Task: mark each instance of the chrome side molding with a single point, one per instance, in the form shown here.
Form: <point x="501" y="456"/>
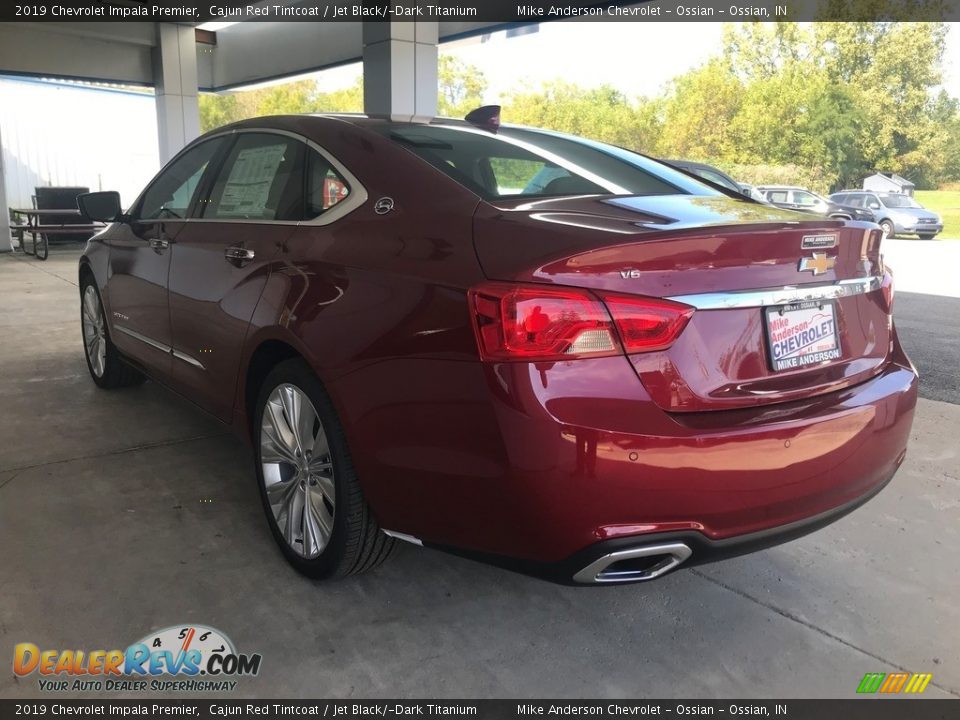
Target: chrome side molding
<point x="403" y="536"/>
<point x="187" y="359"/>
<point x="143" y="338"/>
<point x="179" y="355"/>
<point x="779" y="296"/>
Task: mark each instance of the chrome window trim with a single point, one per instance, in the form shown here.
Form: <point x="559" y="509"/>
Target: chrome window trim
<point x="779" y="296"/>
<point x="357" y="197"/>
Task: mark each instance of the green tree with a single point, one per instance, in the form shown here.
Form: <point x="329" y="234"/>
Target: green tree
<point x="877" y="81"/>
<point x="461" y="87"/>
<point x="697" y="113"/>
<point x="602" y="113"/>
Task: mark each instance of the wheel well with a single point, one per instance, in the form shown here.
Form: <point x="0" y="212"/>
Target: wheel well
<point x="83" y="272"/>
<point x="841" y="216"/>
<point x="267" y="356"/>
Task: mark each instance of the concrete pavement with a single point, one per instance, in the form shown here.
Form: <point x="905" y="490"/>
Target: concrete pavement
<point x="127" y="511"/>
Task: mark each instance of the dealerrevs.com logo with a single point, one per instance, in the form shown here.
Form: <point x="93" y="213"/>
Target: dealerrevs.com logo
<point x="180" y="658"/>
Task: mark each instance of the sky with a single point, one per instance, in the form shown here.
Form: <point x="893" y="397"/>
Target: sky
<point x="639" y="59"/>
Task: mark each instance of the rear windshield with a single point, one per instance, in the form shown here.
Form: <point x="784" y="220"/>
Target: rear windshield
<point x="517" y="162"/>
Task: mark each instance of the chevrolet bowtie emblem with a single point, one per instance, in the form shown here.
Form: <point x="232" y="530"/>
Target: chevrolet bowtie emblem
<point x="818" y="264"/>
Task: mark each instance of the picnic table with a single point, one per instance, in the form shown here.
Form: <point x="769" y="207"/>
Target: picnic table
<point x="40" y="231"/>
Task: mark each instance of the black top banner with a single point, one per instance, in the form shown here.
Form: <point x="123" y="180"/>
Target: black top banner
<point x="205" y="709"/>
<point x="199" y="11"/>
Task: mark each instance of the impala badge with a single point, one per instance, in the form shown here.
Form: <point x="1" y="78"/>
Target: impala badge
<point x="818" y="242"/>
<point x="818" y="263"/>
<point x="383" y="205"/>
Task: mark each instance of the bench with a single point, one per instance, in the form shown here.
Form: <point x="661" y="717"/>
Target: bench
<point x="41" y="231"/>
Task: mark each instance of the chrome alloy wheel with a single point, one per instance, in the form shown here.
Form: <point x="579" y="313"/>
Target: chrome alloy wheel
<point x="94" y="332"/>
<point x="297" y="470"/>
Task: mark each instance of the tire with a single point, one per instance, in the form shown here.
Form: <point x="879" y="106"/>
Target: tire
<point x="106" y="367"/>
<point x="310" y="468"/>
<point x="888" y="229"/>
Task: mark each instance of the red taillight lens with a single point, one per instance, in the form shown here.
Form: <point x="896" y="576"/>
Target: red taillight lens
<point x="533" y="323"/>
<point x="647" y="324"/>
<point x="886" y="286"/>
<point x="518" y="322"/>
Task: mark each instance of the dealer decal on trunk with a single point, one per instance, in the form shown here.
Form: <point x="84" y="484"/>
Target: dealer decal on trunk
<point x="802" y="334"/>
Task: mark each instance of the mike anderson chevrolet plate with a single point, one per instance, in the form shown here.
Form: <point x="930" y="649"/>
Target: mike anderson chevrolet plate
<point x="802" y="334"/>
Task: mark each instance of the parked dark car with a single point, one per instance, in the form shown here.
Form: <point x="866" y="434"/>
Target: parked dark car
<point x="896" y="213"/>
<point x="796" y="198"/>
<point x="752" y="192"/>
<point x="709" y="173"/>
<point x="595" y="381"/>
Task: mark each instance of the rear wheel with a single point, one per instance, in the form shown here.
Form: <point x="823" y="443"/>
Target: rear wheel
<point x="887" y="227"/>
<point x="106" y="367"/>
<point x="309" y="489"/>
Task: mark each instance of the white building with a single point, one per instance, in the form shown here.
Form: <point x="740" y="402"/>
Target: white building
<point x="73" y="134"/>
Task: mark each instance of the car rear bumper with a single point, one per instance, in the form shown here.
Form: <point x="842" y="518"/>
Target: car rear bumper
<point x="915" y="227"/>
<point x="598" y="564"/>
<point x="594" y="465"/>
<point x="537" y="462"/>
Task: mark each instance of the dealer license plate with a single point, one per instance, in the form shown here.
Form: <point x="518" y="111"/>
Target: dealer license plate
<point x="802" y="334"/>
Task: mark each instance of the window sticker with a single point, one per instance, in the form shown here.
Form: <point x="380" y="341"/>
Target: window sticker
<point x="247" y="189"/>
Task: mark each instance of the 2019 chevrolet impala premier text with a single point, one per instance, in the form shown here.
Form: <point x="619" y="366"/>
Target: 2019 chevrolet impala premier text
<point x="516" y="345"/>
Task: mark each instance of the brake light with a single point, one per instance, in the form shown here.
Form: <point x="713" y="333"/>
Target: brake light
<point x="537" y="323"/>
<point x="886" y="285"/>
<point x="647" y="324"/>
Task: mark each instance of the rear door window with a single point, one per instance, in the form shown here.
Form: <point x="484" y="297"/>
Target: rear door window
<point x="261" y="179"/>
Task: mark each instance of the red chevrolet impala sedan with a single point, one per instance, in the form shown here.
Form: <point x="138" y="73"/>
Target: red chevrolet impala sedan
<point x="515" y="345"/>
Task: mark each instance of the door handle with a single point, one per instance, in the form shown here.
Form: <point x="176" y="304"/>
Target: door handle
<point x="238" y="253"/>
<point x="159" y="245"/>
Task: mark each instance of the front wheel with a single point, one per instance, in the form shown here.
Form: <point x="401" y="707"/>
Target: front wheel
<point x="106" y="367"/>
<point x="888" y="228"/>
<point x="313" y="502"/>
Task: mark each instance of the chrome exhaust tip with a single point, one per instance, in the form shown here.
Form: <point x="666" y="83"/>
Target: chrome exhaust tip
<point x="634" y="564"/>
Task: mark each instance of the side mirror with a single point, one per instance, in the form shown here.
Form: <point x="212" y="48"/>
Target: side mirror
<point x="874" y="206"/>
<point x="102" y="206"/>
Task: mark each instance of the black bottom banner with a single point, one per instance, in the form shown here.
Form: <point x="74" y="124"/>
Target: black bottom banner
<point x="860" y="709"/>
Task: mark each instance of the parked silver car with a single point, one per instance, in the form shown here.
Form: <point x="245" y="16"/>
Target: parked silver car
<point x="896" y="213"/>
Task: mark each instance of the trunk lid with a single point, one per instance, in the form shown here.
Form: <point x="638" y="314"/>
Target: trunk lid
<point x="730" y="259"/>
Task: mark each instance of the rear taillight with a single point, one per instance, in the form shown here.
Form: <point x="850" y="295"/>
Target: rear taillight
<point x="647" y="324"/>
<point x="538" y="323"/>
<point x="886" y="285"/>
